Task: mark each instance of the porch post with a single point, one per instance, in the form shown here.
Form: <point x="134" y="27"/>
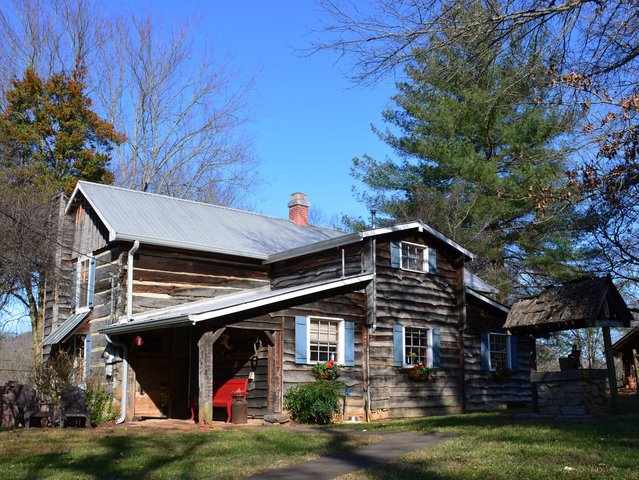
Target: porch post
<point x="533" y="367"/>
<point x="205" y="377"/>
<point x="610" y="363"/>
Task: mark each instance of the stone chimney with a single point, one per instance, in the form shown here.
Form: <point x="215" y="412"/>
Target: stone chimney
<point x="298" y="209"/>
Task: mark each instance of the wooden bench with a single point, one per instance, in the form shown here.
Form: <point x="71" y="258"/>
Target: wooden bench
<point x="223" y="397"/>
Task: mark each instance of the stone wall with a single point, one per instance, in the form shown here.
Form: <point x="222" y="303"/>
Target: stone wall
<point x="573" y="392"/>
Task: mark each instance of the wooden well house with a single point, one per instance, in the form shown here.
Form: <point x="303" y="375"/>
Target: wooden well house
<point x="580" y="304"/>
<point x="164" y="300"/>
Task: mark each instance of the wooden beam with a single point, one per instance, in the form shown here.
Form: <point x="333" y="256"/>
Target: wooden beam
<point x="609" y="322"/>
<point x="612" y="376"/>
<point x="270" y="337"/>
<point x="217" y="334"/>
<point x="205" y="375"/>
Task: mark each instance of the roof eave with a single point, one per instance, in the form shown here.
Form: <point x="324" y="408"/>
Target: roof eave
<point x="489" y="301"/>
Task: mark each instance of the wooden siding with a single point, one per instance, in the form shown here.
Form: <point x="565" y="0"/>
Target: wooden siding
<point x="90" y="233"/>
<point x="482" y="392"/>
<point x="416" y="299"/>
<point x="163" y="278"/>
<point x="326" y="265"/>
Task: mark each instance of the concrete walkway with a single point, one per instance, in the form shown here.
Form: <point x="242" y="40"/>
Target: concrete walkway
<point x="393" y="445"/>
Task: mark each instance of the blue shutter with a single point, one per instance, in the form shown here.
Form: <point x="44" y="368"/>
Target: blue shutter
<point x="395" y="254"/>
<point x="91" y="284"/>
<point x="74" y="287"/>
<point x="88" y="342"/>
<point x="432" y="260"/>
<point x="349" y="344"/>
<point x="398" y="345"/>
<point x="437" y="357"/>
<point x="301" y="336"/>
<point x="485" y="351"/>
<point x="514" y="364"/>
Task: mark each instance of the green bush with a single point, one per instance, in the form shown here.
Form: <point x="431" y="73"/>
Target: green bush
<point x="100" y="401"/>
<point x="314" y="402"/>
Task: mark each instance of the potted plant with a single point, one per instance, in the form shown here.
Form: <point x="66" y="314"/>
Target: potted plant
<point x="421" y="372"/>
<point x="329" y="370"/>
<point x="502" y="374"/>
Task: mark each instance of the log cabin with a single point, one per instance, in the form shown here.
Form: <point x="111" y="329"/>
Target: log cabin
<point x="164" y="300"/>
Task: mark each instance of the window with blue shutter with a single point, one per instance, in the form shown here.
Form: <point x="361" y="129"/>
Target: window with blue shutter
<point x="498" y="350"/>
<point x="412" y="346"/>
<point x="413" y="257"/>
<point x="91" y="283"/>
<point x="319" y="339"/>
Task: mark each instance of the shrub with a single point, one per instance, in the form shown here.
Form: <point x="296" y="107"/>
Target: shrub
<point x="100" y="401"/>
<point x="314" y="402"/>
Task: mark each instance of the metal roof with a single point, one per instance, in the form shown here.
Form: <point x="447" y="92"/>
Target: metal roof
<point x="477" y="283"/>
<point x="160" y="220"/>
<point x="61" y="333"/>
<point x="242" y="302"/>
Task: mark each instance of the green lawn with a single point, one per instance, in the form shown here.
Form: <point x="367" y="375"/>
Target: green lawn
<point x="496" y="446"/>
<point x="118" y="454"/>
<point x="486" y="446"/>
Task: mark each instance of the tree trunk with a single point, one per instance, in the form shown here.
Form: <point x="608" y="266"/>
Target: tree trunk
<point x="37" y="323"/>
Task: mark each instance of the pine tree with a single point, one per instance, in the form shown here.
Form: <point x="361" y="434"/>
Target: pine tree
<point x="481" y="159"/>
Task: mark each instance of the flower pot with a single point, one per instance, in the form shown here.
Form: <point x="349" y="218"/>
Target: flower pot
<point x="416" y="376"/>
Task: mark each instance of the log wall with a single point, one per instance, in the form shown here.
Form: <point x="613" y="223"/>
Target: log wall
<point x="163" y="278"/>
<point x="482" y="392"/>
<point x="321" y="266"/>
<point x="419" y="300"/>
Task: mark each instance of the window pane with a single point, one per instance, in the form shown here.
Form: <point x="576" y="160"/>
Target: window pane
<point x="323" y="340"/>
<point x="498" y="351"/>
<point x="415" y="345"/>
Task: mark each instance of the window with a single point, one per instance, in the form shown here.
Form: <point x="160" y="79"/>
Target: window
<point x="413" y="345"/>
<point x="83" y="283"/>
<point x="318" y="339"/>
<point x="498" y="351"/>
<point x="324" y="339"/>
<point x="413" y="257"/>
<point x="417" y="346"/>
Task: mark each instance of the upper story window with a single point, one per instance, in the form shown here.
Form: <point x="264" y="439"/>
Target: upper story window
<point x="413" y="257"/>
<point x="83" y="284"/>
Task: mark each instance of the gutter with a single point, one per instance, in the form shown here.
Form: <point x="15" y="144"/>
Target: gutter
<point x="125" y="379"/>
<point x="129" y="280"/>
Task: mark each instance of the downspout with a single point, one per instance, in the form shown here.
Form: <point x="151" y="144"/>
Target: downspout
<point x="125" y="379"/>
<point x="129" y="280"/>
<point x="462" y="331"/>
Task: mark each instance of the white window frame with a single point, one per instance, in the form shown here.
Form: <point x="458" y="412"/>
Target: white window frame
<point x="340" y="338"/>
<point x="490" y="358"/>
<point x="429" y="346"/>
<point x="82" y="304"/>
<point x="424" y="249"/>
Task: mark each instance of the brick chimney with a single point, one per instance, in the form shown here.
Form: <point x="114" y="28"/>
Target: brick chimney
<point x="298" y="209"/>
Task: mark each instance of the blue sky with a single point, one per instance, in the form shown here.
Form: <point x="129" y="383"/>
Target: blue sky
<point x="309" y="120"/>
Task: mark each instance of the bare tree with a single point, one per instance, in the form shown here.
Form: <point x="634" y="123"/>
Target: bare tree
<point x="182" y="109"/>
